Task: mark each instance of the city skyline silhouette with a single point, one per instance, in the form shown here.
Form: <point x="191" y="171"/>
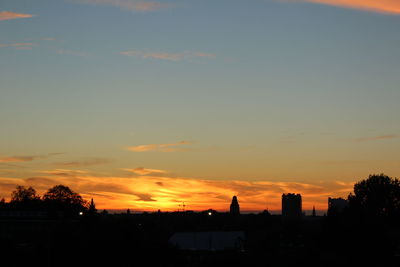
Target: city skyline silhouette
<point x="199" y="133"/>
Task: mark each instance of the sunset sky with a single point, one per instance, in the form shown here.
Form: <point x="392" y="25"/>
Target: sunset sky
<point x="148" y="104"/>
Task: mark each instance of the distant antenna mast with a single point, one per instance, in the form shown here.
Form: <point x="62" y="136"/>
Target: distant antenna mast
<point x="182" y="206"/>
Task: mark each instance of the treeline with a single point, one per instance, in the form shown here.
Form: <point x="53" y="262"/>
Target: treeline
<point x="59" y="200"/>
<point x="374" y="198"/>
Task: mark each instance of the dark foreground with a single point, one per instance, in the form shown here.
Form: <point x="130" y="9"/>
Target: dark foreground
<point x="142" y="240"/>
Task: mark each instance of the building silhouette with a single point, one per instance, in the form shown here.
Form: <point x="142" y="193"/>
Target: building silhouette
<point x="291" y="206"/>
<point x="336" y="205"/>
<point x="235" y="209"/>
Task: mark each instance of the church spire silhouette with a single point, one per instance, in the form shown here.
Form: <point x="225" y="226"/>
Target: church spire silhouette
<point x="235" y="209"/>
<point x="92" y="207"/>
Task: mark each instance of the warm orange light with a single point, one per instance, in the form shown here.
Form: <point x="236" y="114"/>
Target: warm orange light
<point x="167" y="194"/>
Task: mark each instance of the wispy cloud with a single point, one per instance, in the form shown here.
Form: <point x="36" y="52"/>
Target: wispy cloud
<point x="20" y="46"/>
<point x="166" y="56"/>
<point x="84" y="163"/>
<point x="7" y="171"/>
<point x="145" y="171"/>
<point x="26" y="158"/>
<point x="18" y="159"/>
<point x="71" y="52"/>
<point x="376" y="138"/>
<point x="7" y="15"/>
<point x="131" y="5"/>
<point x="380" y="6"/>
<point x="48" y="39"/>
<point x="159" y="147"/>
<point x="65" y="172"/>
<point x="344" y="162"/>
<point x="28" y="44"/>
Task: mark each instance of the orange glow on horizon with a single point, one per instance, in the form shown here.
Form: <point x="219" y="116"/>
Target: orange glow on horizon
<point x="145" y="193"/>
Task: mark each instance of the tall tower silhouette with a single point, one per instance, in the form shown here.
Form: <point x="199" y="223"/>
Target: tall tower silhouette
<point x="291" y="206"/>
<point x="235" y="209"/>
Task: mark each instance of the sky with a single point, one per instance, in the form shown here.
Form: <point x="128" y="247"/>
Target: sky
<point x="149" y="104"/>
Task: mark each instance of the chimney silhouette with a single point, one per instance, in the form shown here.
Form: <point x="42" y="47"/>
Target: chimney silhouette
<point x="235" y="209"/>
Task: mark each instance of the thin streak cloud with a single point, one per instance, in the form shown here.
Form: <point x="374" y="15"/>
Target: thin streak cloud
<point x="145" y="171"/>
<point x="166" y="56"/>
<point x="71" y="52"/>
<point x="64" y="172"/>
<point x="7" y="15"/>
<point x="130" y="5"/>
<point x="160" y="147"/>
<point x="84" y="163"/>
<point x="377" y="138"/>
<point x="48" y="39"/>
<point x="380" y="6"/>
<point x="17" y="159"/>
<point x="26" y="158"/>
<point x="20" y="46"/>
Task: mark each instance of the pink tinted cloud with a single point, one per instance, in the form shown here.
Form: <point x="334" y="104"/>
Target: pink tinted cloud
<point x="131" y="5"/>
<point x="202" y="54"/>
<point x="19" y="46"/>
<point x="7" y="15"/>
<point x="380" y="6"/>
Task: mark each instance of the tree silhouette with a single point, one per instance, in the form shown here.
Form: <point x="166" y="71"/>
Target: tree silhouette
<point x="23" y="194"/>
<point x="376" y="196"/>
<point x="2" y="203"/>
<point x="64" y="194"/>
<point x="104" y="212"/>
<point x="62" y="199"/>
<point x="25" y="198"/>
